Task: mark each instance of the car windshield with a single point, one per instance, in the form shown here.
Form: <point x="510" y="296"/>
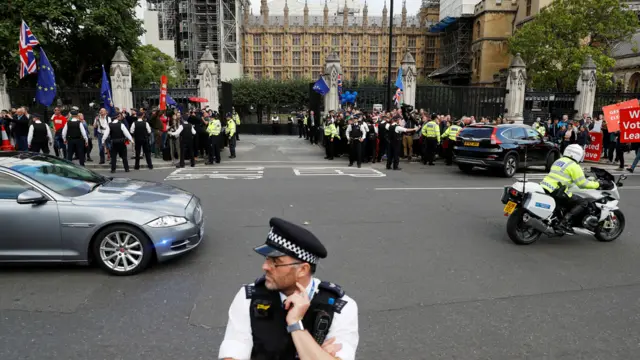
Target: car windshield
<point x="59" y="175"/>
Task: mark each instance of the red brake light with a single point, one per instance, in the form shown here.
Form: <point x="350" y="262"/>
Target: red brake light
<point x="494" y="138"/>
<point x="514" y="192"/>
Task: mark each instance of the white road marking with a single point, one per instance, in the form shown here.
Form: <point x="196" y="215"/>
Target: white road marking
<point x="218" y="172"/>
<point x="338" y="171"/>
<point x="475" y="188"/>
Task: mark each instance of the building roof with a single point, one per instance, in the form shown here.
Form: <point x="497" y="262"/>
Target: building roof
<point x="316" y="7"/>
<point x="626" y="48"/>
<point x="334" y="20"/>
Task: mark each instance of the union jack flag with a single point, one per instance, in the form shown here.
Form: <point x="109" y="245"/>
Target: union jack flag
<point x="27" y="58"/>
<point x="397" y="96"/>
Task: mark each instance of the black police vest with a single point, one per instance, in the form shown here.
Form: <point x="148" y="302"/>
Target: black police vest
<point x="39" y="133"/>
<point x="356" y="132"/>
<point x="371" y="135"/>
<point x="140" y="131"/>
<point x="271" y="341"/>
<point x="393" y="135"/>
<point x="115" y="132"/>
<point x="73" y="130"/>
<point x="185" y="134"/>
<point x="382" y="131"/>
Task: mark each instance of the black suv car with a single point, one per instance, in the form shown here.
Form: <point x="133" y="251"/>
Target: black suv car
<point x="503" y="148"/>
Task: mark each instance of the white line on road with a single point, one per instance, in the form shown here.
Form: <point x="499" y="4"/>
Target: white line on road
<point x="338" y="171"/>
<point x="475" y="188"/>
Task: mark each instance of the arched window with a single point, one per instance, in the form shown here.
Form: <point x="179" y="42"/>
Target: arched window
<point x="477" y="29"/>
<point x="634" y="83"/>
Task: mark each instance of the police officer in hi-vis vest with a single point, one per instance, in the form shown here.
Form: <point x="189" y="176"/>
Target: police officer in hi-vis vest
<point x="288" y="313"/>
<point x="214" y="127"/>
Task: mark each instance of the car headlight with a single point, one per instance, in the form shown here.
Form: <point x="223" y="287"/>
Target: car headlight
<point x="167" y="221"/>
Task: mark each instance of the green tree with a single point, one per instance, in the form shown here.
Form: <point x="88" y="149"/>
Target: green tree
<point x="271" y="93"/>
<point x="555" y="44"/>
<point x="148" y="64"/>
<point x="79" y="37"/>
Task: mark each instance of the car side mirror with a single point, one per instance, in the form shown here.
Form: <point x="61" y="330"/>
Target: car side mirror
<point x="31" y="197"/>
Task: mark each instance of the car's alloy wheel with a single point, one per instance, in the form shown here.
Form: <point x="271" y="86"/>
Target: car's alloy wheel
<point x="510" y="166"/>
<point x="122" y="250"/>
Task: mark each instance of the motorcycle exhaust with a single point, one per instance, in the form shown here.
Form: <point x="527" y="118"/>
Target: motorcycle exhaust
<point x="537" y="224"/>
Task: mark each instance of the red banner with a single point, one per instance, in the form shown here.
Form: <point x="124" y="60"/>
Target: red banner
<point x="593" y="151"/>
<point x="612" y="113"/>
<point x="163" y="93"/>
<point x="630" y="125"/>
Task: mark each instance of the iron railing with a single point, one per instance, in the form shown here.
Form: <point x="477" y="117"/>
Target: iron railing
<point x="603" y="99"/>
<point x="548" y="105"/>
<point x="459" y="101"/>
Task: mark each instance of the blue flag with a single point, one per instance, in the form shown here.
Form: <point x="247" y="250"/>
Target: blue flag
<point x="46" y="87"/>
<point x="105" y="93"/>
<point x="321" y="87"/>
<point x="399" y="80"/>
<point x="170" y="101"/>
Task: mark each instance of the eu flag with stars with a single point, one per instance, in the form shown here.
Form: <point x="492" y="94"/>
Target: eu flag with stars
<point x="46" y="86"/>
<point x="105" y="93"/>
<point x="321" y="87"/>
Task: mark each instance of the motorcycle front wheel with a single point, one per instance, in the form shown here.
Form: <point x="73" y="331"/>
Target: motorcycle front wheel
<point x="611" y="228"/>
<point x="518" y="231"/>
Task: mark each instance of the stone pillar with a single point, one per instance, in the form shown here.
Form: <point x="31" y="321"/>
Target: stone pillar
<point x="5" y="103"/>
<point x="331" y="71"/>
<point x="121" y="81"/>
<point x="516" y="87"/>
<point x="586" y="88"/>
<point x="409" y="76"/>
<point x="208" y="80"/>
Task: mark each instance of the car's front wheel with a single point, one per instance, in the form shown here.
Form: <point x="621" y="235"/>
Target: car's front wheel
<point x="122" y="250"/>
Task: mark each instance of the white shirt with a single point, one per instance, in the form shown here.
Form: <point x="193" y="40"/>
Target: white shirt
<point x="238" y="340"/>
<point x="122" y="127"/>
<point x="363" y="129"/>
<point x="30" y="136"/>
<point x="399" y="129"/>
<point x="179" y="130"/>
<point x="82" y="131"/>
<point x="101" y="122"/>
<point x="133" y="127"/>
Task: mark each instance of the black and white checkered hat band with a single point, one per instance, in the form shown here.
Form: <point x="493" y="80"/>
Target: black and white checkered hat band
<point x="291" y="248"/>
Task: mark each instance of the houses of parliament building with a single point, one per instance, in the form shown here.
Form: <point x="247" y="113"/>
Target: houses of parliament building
<point x="280" y="46"/>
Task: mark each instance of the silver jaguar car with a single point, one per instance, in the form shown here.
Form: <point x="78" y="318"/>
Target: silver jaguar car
<point x="52" y="210"/>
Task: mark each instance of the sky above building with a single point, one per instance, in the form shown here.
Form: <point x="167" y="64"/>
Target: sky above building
<point x="375" y="6"/>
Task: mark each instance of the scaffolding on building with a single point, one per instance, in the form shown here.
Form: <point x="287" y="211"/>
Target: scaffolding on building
<point x="455" y="50"/>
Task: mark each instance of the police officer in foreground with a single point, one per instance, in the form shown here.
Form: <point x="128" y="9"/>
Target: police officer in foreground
<point x="117" y="132"/>
<point x="39" y="137"/>
<point x="288" y="313"/>
<point x="142" y="131"/>
<point x="186" y="132"/>
<point x="356" y="133"/>
<point x="75" y="138"/>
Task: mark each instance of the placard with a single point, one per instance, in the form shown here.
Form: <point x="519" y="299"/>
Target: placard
<point x="163" y="92"/>
<point x="612" y="113"/>
<point x="593" y="151"/>
<point x="630" y="125"/>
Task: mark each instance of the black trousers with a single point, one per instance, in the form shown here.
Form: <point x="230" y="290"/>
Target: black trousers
<point x="355" y="155"/>
<point x="384" y="146"/>
<point x="118" y="148"/>
<point x="328" y="146"/>
<point x="430" y="150"/>
<point x="186" y="150"/>
<point x="393" y="154"/>
<point x="203" y="143"/>
<point x="449" y="152"/>
<point x="313" y="135"/>
<point x="76" y="147"/>
<point x="144" y="146"/>
<point x="214" y="149"/>
<point x="370" y="149"/>
<point x="232" y="145"/>
<point x="40" y="146"/>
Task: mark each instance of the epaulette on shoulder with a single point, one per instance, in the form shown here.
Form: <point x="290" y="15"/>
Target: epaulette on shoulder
<point x="250" y="289"/>
<point x="331" y="287"/>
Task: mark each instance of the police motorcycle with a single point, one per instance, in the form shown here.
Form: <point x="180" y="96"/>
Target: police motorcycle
<point x="532" y="212"/>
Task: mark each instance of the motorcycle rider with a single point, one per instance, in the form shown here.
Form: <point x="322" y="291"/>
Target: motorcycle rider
<point x="564" y="172"/>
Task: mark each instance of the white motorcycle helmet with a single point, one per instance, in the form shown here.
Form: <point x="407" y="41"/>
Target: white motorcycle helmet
<point x="575" y="152"/>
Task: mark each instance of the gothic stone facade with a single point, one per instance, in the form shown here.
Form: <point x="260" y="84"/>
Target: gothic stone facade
<point x="287" y="47"/>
